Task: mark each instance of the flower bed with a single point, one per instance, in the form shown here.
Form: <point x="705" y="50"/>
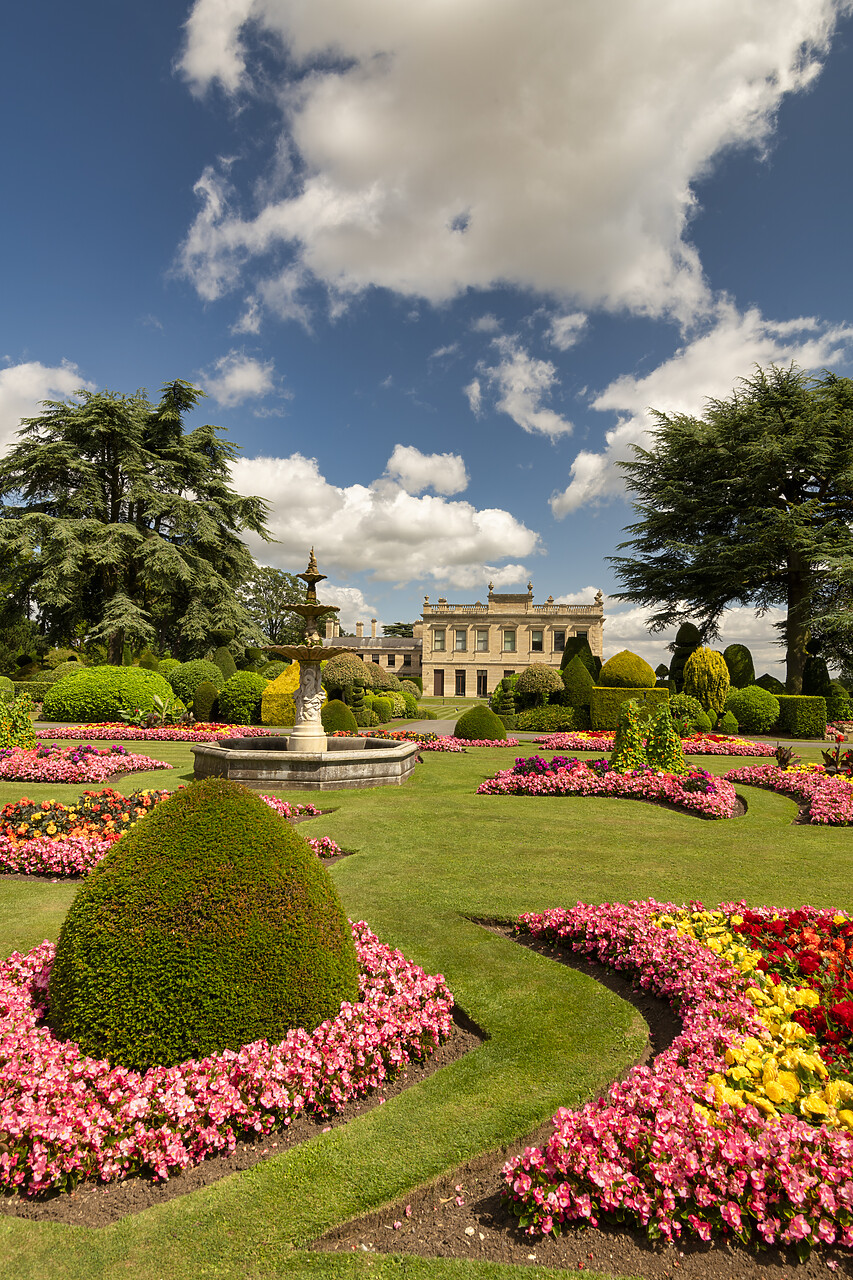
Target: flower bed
<point x="72" y="764"/>
<point x="66" y="1117"/>
<point x="699" y="744"/>
<point x="697" y="792"/>
<point x="53" y="839"/>
<point x="166" y="733"/>
<point x="428" y="741"/>
<point x="739" y="1127"/>
<point x="828" y="800"/>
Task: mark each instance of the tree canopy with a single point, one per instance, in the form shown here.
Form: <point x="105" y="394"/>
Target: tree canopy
<point x="123" y="524"/>
<point x="751" y="504"/>
<point x="267" y="596"/>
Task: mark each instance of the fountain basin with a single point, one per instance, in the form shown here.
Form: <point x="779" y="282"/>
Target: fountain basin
<point x="346" y="764"/>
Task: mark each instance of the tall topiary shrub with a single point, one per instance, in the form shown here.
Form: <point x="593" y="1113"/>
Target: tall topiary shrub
<point x="578" y="647"/>
<point x="208" y="926"/>
<point x="224" y="659"/>
<point x="706" y="678"/>
<point x="816" y="681"/>
<point x="578" y="684"/>
<point x="738" y="659"/>
<point x="687" y="638"/>
<point x="626" y="670"/>
<point x="629" y="748"/>
<point x="663" y="745"/>
<point x="205" y="707"/>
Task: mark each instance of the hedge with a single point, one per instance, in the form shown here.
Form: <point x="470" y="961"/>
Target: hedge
<point x="604" y="704"/>
<point x="801" y="717"/>
<point x="35" y="688"/>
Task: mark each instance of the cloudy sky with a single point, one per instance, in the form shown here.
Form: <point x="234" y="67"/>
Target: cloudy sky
<point x="431" y="263"/>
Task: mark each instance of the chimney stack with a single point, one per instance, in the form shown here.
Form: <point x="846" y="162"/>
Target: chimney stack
<point x="373" y="627"/>
<point x="330" y="628"/>
<point x="359" y="630"/>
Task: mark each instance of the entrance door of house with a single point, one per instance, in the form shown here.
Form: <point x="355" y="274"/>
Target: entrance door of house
<point x="438" y="684"/>
<point x="482" y="684"/>
<point x="460" y="684"/>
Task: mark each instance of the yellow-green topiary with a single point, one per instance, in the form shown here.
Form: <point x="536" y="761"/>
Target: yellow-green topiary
<point x="626" y="670"/>
<point x="209" y="925"/>
<point x="706" y="678"/>
<point x="277" y="704"/>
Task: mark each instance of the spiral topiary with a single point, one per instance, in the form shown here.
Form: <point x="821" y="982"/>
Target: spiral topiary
<point x="626" y="670"/>
<point x="479" y="722"/>
<point x="706" y="678"/>
<point x="209" y="925"/>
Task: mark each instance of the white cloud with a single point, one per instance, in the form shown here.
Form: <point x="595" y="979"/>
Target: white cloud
<point x="238" y="377"/>
<point x="486" y="324"/>
<point x="378" y="528"/>
<point x="441" y="352"/>
<point x="23" y="387"/>
<point x="627" y="628"/>
<point x="564" y="331"/>
<point x="445" y="147"/>
<point x="352" y="604"/>
<point x="415" y="471"/>
<point x="522" y="383"/>
<point x="585" y="596"/>
<point x="474" y="392"/>
<point x="707" y="367"/>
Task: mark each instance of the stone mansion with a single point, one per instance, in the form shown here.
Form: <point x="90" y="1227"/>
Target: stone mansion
<point x="463" y="650"/>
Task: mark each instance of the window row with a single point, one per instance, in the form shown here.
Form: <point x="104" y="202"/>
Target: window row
<point x="459" y="639"/>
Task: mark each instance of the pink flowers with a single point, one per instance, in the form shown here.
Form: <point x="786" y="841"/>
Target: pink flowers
<point x="74" y="764"/>
<point x="711" y="797"/>
<point x="65" y="1117"/>
<point x="658" y="1150"/>
<point x="700" y="744"/>
<point x="170" y="733"/>
<point x="829" y="800"/>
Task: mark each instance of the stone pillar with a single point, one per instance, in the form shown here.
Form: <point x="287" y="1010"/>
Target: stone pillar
<point x="308" y="732"/>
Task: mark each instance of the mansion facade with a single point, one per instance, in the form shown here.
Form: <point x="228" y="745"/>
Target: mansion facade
<point x="464" y="650"/>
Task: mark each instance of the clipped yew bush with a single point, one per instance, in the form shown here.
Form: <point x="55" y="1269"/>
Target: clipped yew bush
<point x="336" y="715"/>
<point x="578" y="685"/>
<point x="770" y="683"/>
<point x="626" y="670"/>
<point x="342" y="672"/>
<point x="738" y="659"/>
<point x="687" y="638"/>
<point x="209" y="925"/>
<point x="479" y="722"/>
<point x="240" y="698"/>
<point x="536" y="682"/>
<point x="755" y="709"/>
<point x="224" y="659"/>
<point x="205" y="706"/>
<point x="94" y="694"/>
<point x="186" y="678"/>
<point x="706" y="678"/>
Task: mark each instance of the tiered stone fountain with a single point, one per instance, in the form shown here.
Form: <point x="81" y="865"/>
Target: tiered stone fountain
<point x="307" y="760"/>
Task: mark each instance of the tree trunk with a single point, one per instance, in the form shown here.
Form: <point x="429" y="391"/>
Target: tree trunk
<point x="797" y="626"/>
<point x="115" y="648"/>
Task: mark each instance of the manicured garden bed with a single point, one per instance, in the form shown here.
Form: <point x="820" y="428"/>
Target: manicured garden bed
<point x="83" y="763"/>
<point x="165" y="733"/>
<point x="700" y="744"/>
<point x="826" y="799"/>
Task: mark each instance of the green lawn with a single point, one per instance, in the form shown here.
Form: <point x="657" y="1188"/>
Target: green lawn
<point x="429" y="855"/>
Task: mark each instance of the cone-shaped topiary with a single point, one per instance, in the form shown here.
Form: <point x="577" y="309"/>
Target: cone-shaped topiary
<point x="209" y="925"/>
<point x="626" y="670"/>
<point x="663" y="745"/>
<point x="336" y="715"/>
<point x="629" y="748"/>
<point x="479" y="722"/>
<point x="578" y="684"/>
<point x="687" y="638"/>
<point x="816" y="677"/>
<point x="706" y="678"/>
<point x="770" y="683"/>
<point x="204" y="701"/>
<point x="578" y="647"/>
<point x="738" y="659"/>
<point x="729" y="724"/>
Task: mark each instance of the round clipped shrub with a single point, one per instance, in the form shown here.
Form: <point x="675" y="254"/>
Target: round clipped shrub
<point x="189" y="675"/>
<point x="409" y="686"/>
<point x="755" y="709"/>
<point x="626" y="670"/>
<point x="240" y="698"/>
<point x="384" y="679"/>
<point x="410" y="703"/>
<point x="837" y="702"/>
<point x="683" y="707"/>
<point x="729" y="723"/>
<point x="7" y="691"/>
<point x="383" y="709"/>
<point x="536" y="682"/>
<point x="209" y="925"/>
<point x="149" y="661"/>
<point x="343" y="671"/>
<point x="205" y="706"/>
<point x="100" y="693"/>
<point x="336" y="715"/>
<point x="738" y="659"/>
<point x="702" y="723"/>
<point x="706" y="678"/>
<point x="56" y="657"/>
<point x="224" y="659"/>
<point x="479" y="722"/>
<point x="167" y="665"/>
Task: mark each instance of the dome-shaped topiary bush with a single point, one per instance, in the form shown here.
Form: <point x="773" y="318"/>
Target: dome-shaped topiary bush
<point x="383" y="708"/>
<point x="535" y="683"/>
<point x="344" y="670"/>
<point x="626" y="670"/>
<point x="384" y="679"/>
<point x="7" y="691"/>
<point x="240" y="698"/>
<point x="738" y="659"/>
<point x="409" y="686"/>
<point x="683" y="707"/>
<point x="94" y="694"/>
<point x="189" y="675"/>
<point x="167" y="666"/>
<point x="755" y="709"/>
<point x="479" y="722"/>
<point x="209" y="925"/>
<point x="336" y="715"/>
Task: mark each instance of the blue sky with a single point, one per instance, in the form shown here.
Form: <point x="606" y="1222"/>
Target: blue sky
<point x="433" y="263"/>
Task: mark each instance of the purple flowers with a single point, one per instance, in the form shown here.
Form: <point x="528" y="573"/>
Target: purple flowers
<point x="84" y="763"/>
<point x="65" y="1117"/>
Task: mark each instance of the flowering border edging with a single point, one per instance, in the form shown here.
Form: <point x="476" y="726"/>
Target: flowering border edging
<point x="653" y="1150"/>
<point x="828" y="800"/>
<point x="703" y="744"/>
<point x="168" y="733"/>
<point x="84" y="763"/>
<point x="66" y="1117"/>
